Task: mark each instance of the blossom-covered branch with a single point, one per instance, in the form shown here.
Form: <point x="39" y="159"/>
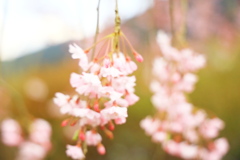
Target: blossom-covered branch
<point x="104" y="91"/>
<point x="183" y="130"/>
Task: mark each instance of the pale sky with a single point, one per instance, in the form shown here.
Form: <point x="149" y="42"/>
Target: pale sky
<point x="31" y="25"/>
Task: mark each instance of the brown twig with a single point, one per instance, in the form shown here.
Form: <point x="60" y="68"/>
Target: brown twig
<point x="171" y="14"/>
<point x="97" y="28"/>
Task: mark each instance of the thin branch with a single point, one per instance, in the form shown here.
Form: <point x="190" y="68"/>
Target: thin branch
<point x="117" y="29"/>
<point x="116" y="5"/>
<point x="171" y="13"/>
<point x="184" y="23"/>
<point x="97" y="28"/>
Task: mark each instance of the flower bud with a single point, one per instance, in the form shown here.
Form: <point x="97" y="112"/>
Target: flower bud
<point x="64" y="122"/>
<point x="101" y="149"/>
<point x="82" y="136"/>
<point x="138" y="57"/>
<point x="108" y="133"/>
<point x="111" y="126"/>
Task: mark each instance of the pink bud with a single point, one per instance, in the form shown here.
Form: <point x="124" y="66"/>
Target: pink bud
<point x="106" y="62"/>
<point x="139" y="58"/>
<point x="101" y="149"/>
<point x="73" y="123"/>
<point x="86" y="51"/>
<point x="82" y="136"/>
<point x="96" y="107"/>
<point x="111" y="126"/>
<point x="65" y="122"/>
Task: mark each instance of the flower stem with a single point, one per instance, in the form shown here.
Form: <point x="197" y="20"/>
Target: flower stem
<point x="117" y="29"/>
<point x="171" y="14"/>
<point x="128" y="42"/>
<point x="182" y="32"/>
<point x="97" y="28"/>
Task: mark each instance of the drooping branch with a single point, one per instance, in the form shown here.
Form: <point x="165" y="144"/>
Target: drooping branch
<point x="171" y="14"/>
<point x="97" y="28"/>
<point x="117" y="29"/>
<point x="179" y="33"/>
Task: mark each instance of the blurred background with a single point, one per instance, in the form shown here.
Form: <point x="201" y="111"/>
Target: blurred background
<point x="34" y="39"/>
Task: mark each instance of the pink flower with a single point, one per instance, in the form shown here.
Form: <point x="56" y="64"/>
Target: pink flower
<point x="150" y="125"/>
<point x="187" y="83"/>
<point x="94" y="67"/>
<point x="110" y="72"/>
<point x="78" y="53"/>
<point x="191" y="135"/>
<point x="131" y="98"/>
<point x="109" y="92"/>
<point x="183" y="130"/>
<point x="101" y="149"/>
<point x="11" y="133"/>
<point x="93" y="139"/>
<point x="119" y="61"/>
<point x="63" y="102"/>
<point x="75" y="152"/>
<point x="160" y="69"/>
<point x="221" y="146"/>
<point x="121" y="120"/>
<point x="87" y="116"/>
<point x="104" y="92"/>
<point x="191" y="61"/>
<point x="120" y="102"/>
<point x="159" y="137"/>
<point x="31" y="151"/>
<point x="161" y="103"/>
<point x="130" y="67"/>
<point x="171" y="147"/>
<point x="61" y="99"/>
<point x="114" y="112"/>
<point x="40" y="131"/>
<point x="86" y="83"/>
<point x="188" y="151"/>
<point x="211" y="127"/>
<point x="123" y="84"/>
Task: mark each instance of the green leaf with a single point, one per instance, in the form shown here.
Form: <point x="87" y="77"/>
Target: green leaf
<point x="75" y="135"/>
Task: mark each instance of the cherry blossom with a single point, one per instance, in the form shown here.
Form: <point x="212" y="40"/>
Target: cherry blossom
<point x="36" y="146"/>
<point x="104" y="91"/>
<point x="11" y="133"/>
<point x="93" y="139"/>
<point x="30" y="151"/>
<point x="75" y="152"/>
<point x="183" y="130"/>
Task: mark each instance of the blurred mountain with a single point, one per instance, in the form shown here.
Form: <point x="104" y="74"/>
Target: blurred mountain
<point x="51" y="55"/>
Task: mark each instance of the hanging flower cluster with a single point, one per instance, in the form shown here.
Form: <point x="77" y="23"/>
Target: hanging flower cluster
<point x="104" y="91"/>
<point x="36" y="146"/>
<point x="183" y="130"/>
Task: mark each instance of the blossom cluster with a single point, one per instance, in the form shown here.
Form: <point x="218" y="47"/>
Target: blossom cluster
<point x="104" y="91"/>
<point x="180" y="128"/>
<point x="36" y="146"/>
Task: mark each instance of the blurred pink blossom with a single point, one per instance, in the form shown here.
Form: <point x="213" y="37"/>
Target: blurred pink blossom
<point x="93" y="139"/>
<point x="183" y="130"/>
<point x="11" y="133"/>
<point x="75" y="152"/>
<point x="36" y="146"/>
